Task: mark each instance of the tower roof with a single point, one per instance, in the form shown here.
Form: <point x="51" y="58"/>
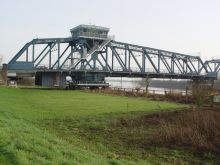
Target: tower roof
<point x="90" y="27"/>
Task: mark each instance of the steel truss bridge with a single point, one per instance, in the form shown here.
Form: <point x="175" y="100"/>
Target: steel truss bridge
<point x="87" y="59"/>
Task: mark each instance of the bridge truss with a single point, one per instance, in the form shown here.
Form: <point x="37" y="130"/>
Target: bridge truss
<point x="110" y="58"/>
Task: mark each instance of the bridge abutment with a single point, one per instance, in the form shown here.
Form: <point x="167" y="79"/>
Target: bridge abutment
<point x="50" y="79"/>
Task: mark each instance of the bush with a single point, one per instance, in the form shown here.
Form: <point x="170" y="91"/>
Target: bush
<point x="197" y="130"/>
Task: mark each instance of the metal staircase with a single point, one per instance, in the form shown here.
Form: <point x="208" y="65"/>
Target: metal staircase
<point x="95" y="48"/>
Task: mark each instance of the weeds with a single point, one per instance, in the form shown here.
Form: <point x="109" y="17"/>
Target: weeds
<point x="198" y="131"/>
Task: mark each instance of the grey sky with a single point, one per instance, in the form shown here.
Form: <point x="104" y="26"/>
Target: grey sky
<point x="185" y="26"/>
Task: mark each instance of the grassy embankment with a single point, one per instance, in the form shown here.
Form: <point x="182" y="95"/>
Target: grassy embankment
<point x="74" y="127"/>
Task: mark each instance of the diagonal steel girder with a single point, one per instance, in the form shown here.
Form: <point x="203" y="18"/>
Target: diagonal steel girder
<point x="132" y="54"/>
<point x="51" y="47"/>
<point x="178" y="65"/>
<point x="41" y="53"/>
<point x="189" y="59"/>
<point x="58" y="60"/>
<point x="115" y="54"/>
<point x="217" y="68"/>
<point x="166" y="64"/>
<point x="73" y="50"/>
<point x="151" y="61"/>
<point x="106" y="62"/>
<point x="23" y="49"/>
<point x="204" y="66"/>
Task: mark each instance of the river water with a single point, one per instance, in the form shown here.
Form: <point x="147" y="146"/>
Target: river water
<point x="158" y="86"/>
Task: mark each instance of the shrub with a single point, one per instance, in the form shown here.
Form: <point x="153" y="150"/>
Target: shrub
<point x="197" y="130"/>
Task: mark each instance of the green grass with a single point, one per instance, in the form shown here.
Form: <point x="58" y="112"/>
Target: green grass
<point x="50" y="127"/>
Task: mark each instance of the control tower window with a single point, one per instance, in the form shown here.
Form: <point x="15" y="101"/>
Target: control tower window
<point x="90" y="31"/>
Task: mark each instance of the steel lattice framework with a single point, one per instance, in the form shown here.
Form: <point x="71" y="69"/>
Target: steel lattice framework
<point x="111" y="58"/>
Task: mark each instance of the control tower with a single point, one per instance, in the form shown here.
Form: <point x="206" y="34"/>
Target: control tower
<point x="90" y="31"/>
<point x="92" y="39"/>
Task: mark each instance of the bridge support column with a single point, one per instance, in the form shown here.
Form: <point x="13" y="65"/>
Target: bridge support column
<point x="88" y="77"/>
<point x="50" y="79"/>
<point x="4" y="74"/>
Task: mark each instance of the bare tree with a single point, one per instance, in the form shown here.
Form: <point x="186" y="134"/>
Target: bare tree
<point x="145" y="82"/>
<point x="1" y="74"/>
<point x="1" y="59"/>
<point x="201" y="89"/>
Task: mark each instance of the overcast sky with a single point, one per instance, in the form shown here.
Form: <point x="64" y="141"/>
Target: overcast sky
<point x="185" y="26"/>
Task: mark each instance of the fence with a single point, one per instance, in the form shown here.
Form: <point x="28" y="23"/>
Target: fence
<point x="155" y="92"/>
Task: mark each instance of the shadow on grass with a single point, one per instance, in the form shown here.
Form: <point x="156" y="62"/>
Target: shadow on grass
<point x="7" y="158"/>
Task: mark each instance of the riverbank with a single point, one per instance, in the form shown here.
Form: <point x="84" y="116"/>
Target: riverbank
<point x="78" y="127"/>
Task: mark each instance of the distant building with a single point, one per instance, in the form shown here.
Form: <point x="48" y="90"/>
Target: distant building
<point x="90" y="31"/>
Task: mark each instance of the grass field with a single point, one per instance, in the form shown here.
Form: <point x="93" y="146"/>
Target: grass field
<point x="75" y="127"/>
